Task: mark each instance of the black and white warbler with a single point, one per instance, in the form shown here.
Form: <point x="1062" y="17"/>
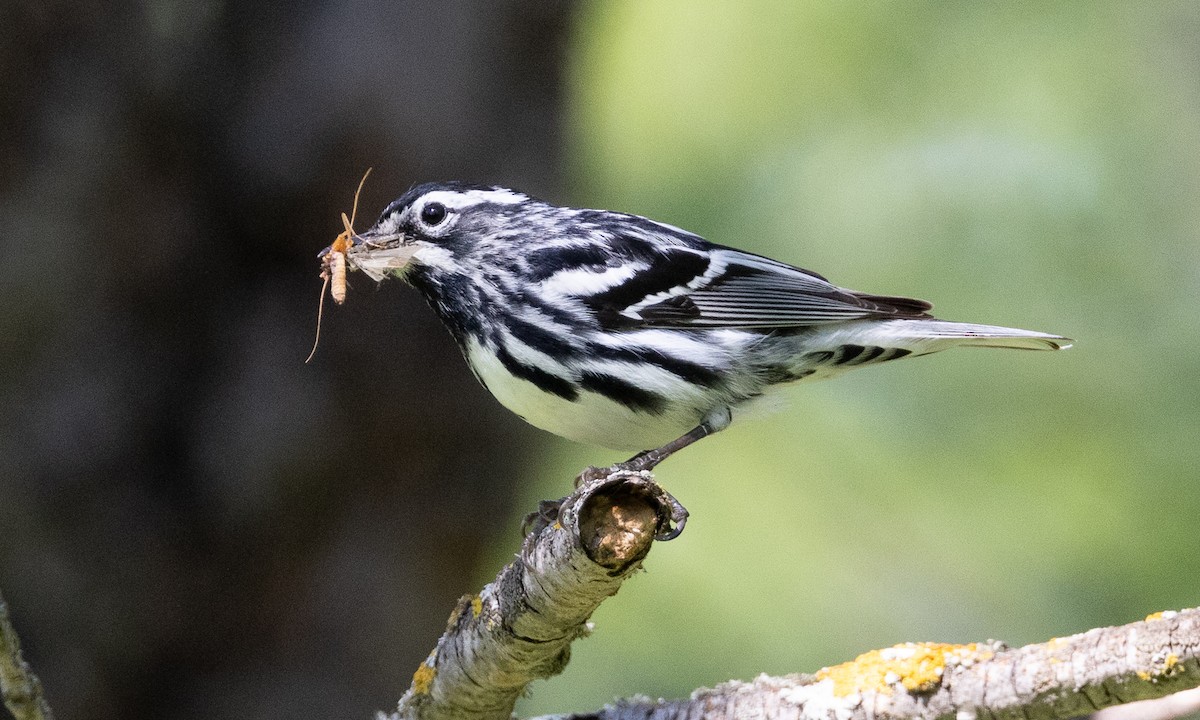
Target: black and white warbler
<point x="616" y="330"/>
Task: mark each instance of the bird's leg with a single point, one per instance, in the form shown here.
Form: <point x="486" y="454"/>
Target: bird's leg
<point x="547" y="512"/>
<point x="647" y="460"/>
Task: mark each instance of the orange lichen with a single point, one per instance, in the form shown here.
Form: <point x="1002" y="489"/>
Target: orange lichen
<point x="470" y="606"/>
<point x="423" y="677"/>
<point x="1170" y="666"/>
<point x="1155" y="616"/>
<point x="916" y="667"/>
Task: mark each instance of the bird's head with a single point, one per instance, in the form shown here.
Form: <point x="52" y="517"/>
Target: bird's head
<point x="439" y="228"/>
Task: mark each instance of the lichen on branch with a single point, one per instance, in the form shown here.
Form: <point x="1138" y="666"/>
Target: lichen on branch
<point x="1062" y="678"/>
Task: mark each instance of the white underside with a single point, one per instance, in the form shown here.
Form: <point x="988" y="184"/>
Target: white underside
<point x="591" y="418"/>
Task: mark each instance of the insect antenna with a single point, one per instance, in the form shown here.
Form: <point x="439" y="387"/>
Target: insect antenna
<point x="320" y="313"/>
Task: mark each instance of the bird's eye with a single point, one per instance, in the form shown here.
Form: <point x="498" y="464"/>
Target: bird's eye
<point x="433" y="213"/>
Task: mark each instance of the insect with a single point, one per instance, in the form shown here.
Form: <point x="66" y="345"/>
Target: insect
<point x="333" y="264"/>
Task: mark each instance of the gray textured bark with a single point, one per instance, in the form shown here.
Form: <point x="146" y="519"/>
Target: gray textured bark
<point x="520" y="627"/>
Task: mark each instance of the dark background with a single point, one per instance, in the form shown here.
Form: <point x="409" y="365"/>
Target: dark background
<point x="194" y="523"/>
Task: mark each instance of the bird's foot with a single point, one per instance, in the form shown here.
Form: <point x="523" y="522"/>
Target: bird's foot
<point x="673" y="523"/>
<point x="542" y="518"/>
<point x="642" y="462"/>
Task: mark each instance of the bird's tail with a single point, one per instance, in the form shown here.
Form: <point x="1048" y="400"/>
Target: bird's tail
<point x="941" y="334"/>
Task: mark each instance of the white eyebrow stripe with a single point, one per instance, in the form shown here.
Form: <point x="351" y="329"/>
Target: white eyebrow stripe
<point x="458" y="199"/>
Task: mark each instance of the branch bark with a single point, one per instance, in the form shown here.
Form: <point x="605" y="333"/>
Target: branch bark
<point x="20" y="687"/>
<point x="1063" y="678"/>
<point x="520" y="627"/>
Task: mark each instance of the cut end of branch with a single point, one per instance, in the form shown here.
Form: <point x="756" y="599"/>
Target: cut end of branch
<point x="617" y="524"/>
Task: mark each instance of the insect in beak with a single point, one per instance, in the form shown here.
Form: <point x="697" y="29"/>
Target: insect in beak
<point x="379" y="255"/>
<point x="333" y="264"/>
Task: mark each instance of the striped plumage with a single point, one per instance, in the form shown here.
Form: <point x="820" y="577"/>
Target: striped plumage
<point x="617" y="330"/>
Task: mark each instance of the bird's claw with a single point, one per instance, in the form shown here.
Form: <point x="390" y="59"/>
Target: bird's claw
<point x="592" y="474"/>
<point x="542" y="518"/>
<point x="671" y="525"/>
<point x="642" y="462"/>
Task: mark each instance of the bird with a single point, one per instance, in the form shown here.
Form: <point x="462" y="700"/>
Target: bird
<point x="612" y="329"/>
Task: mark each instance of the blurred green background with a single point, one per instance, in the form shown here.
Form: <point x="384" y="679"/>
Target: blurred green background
<point x="195" y="524"/>
<point x="1031" y="164"/>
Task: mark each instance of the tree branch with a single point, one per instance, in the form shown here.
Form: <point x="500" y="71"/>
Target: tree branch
<point x="21" y="689"/>
<point x="1062" y="678"/>
<point x="520" y="627"/>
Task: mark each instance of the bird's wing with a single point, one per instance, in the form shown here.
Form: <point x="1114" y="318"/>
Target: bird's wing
<point x="719" y="287"/>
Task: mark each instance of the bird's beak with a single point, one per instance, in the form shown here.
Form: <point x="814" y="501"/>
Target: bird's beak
<point x="380" y="254"/>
